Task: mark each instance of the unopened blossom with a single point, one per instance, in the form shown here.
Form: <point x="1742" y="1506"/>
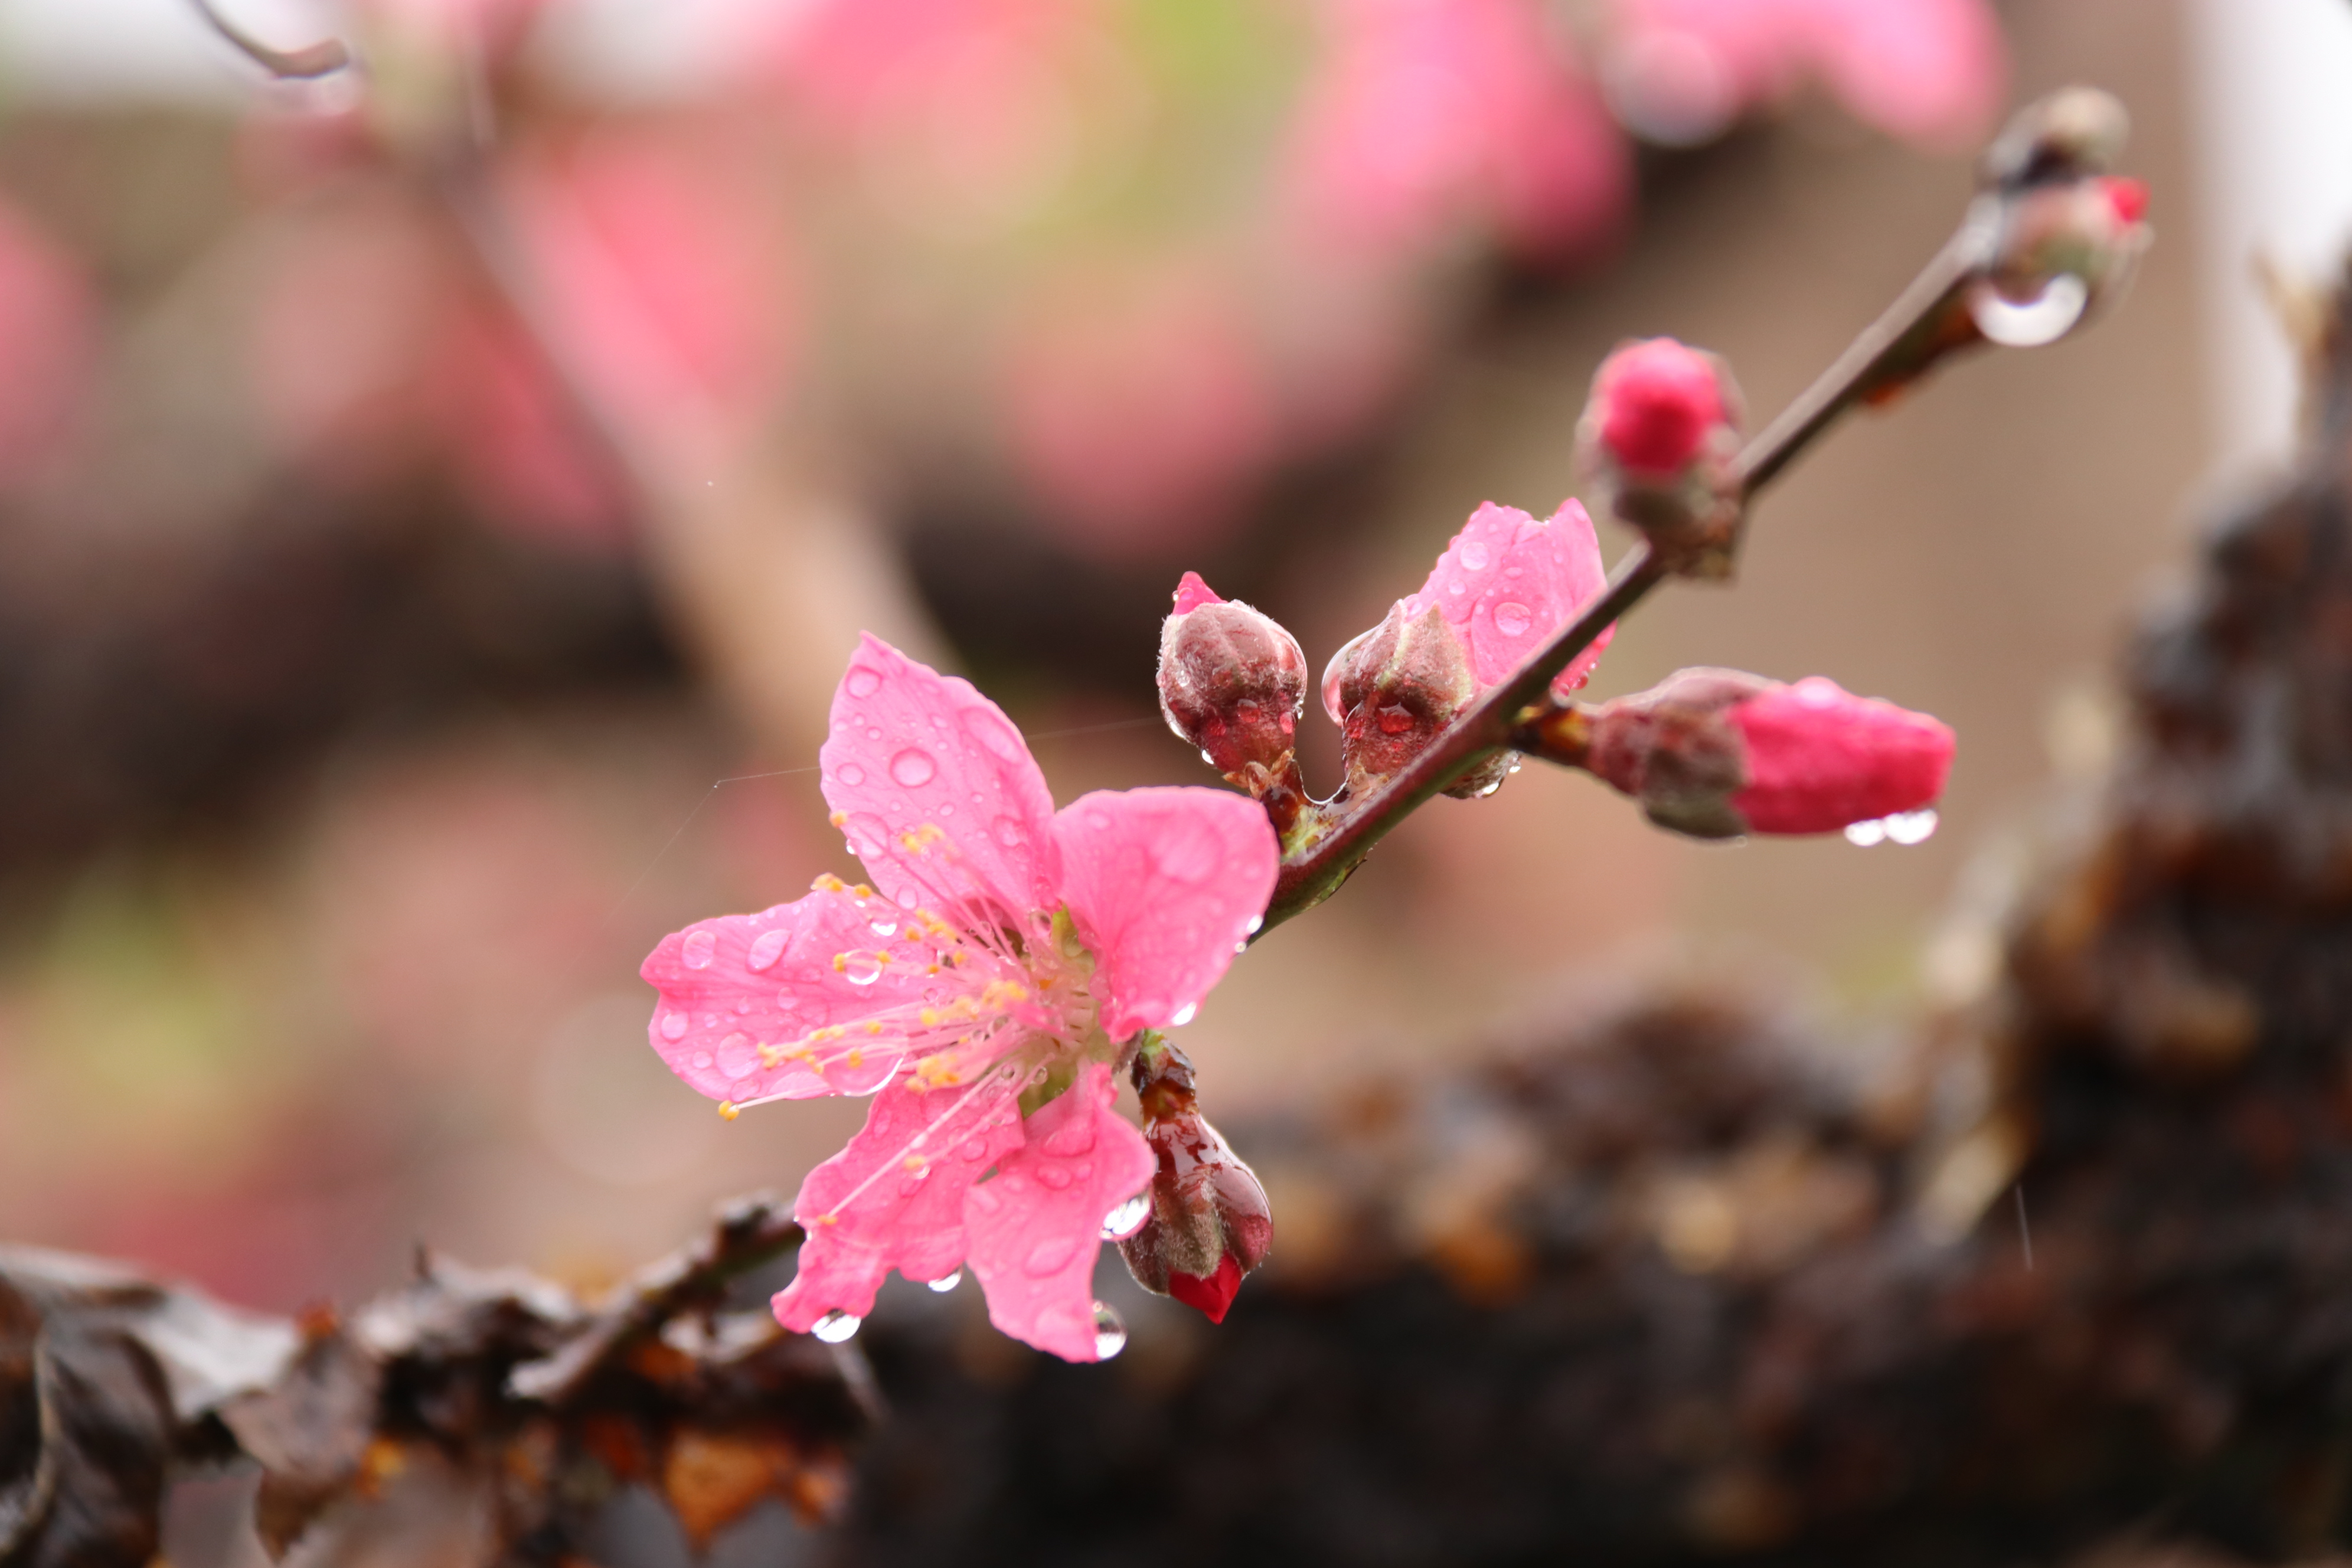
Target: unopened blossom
<point x="1504" y="586"/>
<point x="981" y="989"/>
<point x="1719" y="752"/>
<point x="1210" y="1223"/>
<point x="1657" y="442"/>
<point x="1233" y="681"/>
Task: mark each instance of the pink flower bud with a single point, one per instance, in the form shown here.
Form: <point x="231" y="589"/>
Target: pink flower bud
<point x="1657" y="403"/>
<point x="1210" y="1223"/>
<point x="1820" y="758"/>
<point x="1657" y="440"/>
<point x="1717" y="753"/>
<point x="1232" y="682"/>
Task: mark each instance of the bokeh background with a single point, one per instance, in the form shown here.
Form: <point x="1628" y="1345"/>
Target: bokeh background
<point x="435" y="505"/>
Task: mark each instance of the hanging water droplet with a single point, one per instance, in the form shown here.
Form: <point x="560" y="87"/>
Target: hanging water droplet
<point x="836" y="1326"/>
<point x="1110" y="1332"/>
<point x="1258" y="923"/>
<point x="946" y="1282"/>
<point x="1865" y="834"/>
<point x="1123" y="1220"/>
<point x="1912" y="827"/>
<point x="1184" y="1015"/>
<point x="861" y="968"/>
<point x="913" y="767"/>
<point x="2025" y="324"/>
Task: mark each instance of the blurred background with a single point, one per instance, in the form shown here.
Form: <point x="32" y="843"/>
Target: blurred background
<point x="435" y="504"/>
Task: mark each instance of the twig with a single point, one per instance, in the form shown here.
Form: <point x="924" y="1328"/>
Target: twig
<point x="1928" y="320"/>
<point x="306" y="64"/>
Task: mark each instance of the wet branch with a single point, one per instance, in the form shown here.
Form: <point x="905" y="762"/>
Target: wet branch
<point x="306" y="64"/>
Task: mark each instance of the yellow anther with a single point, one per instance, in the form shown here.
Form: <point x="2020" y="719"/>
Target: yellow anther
<point x="913" y="1163"/>
<point x="729" y="1110"/>
<point x="930" y="1017"/>
<point x="828" y="1219"/>
<point x="839" y="819"/>
<point x="828" y="882"/>
<point x="858" y="1058"/>
<point x="863" y="890"/>
<point x="874" y="1028"/>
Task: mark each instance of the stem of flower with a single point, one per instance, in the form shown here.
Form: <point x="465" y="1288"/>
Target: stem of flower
<point x="1928" y="321"/>
<point x="313" y="61"/>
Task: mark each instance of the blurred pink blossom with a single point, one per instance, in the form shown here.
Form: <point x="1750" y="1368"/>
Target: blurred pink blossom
<point x="48" y="345"/>
<point x="1929" y="70"/>
<point x="1010" y="948"/>
<point x="1140" y="409"/>
<point x="1423" y="115"/>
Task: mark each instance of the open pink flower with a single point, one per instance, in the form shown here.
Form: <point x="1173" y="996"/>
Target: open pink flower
<point x="1005" y="952"/>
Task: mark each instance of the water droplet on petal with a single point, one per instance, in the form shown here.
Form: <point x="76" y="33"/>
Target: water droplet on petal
<point x="673" y="1025"/>
<point x="1010" y="833"/>
<point x="1184" y="1015"/>
<point x="883" y="927"/>
<point x="699" y="949"/>
<point x="1057" y="1177"/>
<point x="766" y="948"/>
<point x="1512" y="618"/>
<point x="1049" y="1255"/>
<point x="702" y="1059"/>
<point x="836" y="1326"/>
<point x="946" y="1282"/>
<point x="913" y="767"/>
<point x="1912" y="827"/>
<point x="1394" y="720"/>
<point x="738" y="1056"/>
<point x="1123" y="1220"/>
<point x="971" y="1149"/>
<point x="862" y="681"/>
<point x="1456" y="586"/>
<point x="873" y="731"/>
<point x="851" y="774"/>
<point x="1110" y="1332"/>
<point x="1474" y="556"/>
<point x="2029" y="323"/>
<point x="1258" y="923"/>
<point x="861" y="968"/>
<point x="1076" y="1137"/>
<point x="1865" y="834"/>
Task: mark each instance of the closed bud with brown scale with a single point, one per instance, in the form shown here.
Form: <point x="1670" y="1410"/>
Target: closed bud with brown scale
<point x="1233" y="681"/>
<point x="1210" y="1223"/>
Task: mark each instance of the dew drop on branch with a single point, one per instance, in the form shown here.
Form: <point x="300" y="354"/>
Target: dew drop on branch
<point x="1110" y="1332"/>
<point x="2044" y="318"/>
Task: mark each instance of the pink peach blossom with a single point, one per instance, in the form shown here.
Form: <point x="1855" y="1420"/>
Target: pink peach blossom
<point x="1820" y="758"/>
<point x="1006" y="950"/>
<point x="1428" y="113"/>
<point x="1929" y="70"/>
<point x="48" y="331"/>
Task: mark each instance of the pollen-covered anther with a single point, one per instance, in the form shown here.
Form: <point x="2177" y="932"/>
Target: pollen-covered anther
<point x="728" y="1110"/>
<point x="827" y="883"/>
<point x="839" y="819"/>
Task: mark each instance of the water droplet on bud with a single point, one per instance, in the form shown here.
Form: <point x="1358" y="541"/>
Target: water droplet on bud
<point x="2026" y="324"/>
<point x="1863" y="835"/>
<point x="1110" y="1332"/>
<point x="1123" y="1220"/>
<point x="1912" y="827"/>
<point x="836" y="1326"/>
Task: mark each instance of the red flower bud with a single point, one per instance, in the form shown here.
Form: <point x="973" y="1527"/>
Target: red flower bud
<point x="1210" y="1223"/>
<point x="1657" y="402"/>
<point x="1232" y="682"/>
<point x="1657" y="439"/>
<point x="1717" y="753"/>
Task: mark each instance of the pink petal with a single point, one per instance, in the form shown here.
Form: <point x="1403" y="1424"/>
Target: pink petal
<point x="1033" y="1233"/>
<point x="731" y="985"/>
<point x="1820" y="758"/>
<point x="1164" y="884"/>
<point x="913" y="750"/>
<point x="1930" y="70"/>
<point x="1508" y="582"/>
<point x="1191" y="594"/>
<point x="895" y="1197"/>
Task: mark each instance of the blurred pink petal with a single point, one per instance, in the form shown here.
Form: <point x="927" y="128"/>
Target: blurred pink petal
<point x="1140" y="411"/>
<point x="662" y="289"/>
<point x="48" y="345"/>
<point x="1428" y="114"/>
<point x="516" y="443"/>
<point x="1930" y="70"/>
<point x="1005" y="948"/>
